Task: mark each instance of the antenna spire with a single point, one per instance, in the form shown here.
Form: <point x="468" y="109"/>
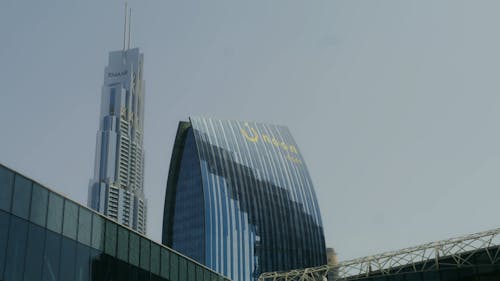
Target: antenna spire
<point x="125" y="28"/>
<point x="129" y="21"/>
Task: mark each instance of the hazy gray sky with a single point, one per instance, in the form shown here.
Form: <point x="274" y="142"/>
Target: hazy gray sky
<point x="394" y="104"/>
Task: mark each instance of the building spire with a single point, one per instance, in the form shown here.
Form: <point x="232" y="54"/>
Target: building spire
<point x="125" y="29"/>
<point x="129" y="21"/>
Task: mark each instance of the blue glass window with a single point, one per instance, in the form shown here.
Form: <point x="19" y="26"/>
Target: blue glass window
<point x="189" y="221"/>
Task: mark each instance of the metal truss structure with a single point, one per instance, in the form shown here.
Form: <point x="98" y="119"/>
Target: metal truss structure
<point x="451" y="253"/>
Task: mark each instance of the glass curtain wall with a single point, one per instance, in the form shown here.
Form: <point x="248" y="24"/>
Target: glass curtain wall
<point x="47" y="237"/>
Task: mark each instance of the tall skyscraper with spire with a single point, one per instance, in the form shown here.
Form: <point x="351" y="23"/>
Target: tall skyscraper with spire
<point x="116" y="189"/>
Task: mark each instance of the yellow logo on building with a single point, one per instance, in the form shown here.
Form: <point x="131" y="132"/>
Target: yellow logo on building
<point x="252" y="135"/>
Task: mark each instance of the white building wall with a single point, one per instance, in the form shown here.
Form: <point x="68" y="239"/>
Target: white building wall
<point x="116" y="189"/>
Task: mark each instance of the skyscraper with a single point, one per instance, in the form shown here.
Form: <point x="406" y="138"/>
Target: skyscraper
<point x="240" y="200"/>
<point x="116" y="189"/>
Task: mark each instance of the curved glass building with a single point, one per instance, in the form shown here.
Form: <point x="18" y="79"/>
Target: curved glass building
<point x="240" y="200"/>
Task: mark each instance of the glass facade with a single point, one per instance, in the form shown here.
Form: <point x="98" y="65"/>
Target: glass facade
<point x="242" y="194"/>
<point x="44" y="236"/>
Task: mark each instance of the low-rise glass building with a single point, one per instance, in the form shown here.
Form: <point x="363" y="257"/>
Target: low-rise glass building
<point x="45" y="236"/>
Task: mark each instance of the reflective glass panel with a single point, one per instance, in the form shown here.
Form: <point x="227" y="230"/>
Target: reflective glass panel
<point x="22" y="197"/>
<point x="191" y="275"/>
<point x="122" y="251"/>
<point x="199" y="273"/>
<point x="174" y="267"/>
<point x="55" y="210"/>
<point x="6" y="181"/>
<point x="84" y="226"/>
<point x="68" y="255"/>
<point x="34" y="253"/>
<point x="182" y="268"/>
<point x="39" y="205"/>
<point x="155" y="258"/>
<point x="134" y="249"/>
<point x="4" y="231"/>
<point x="110" y="243"/>
<point x="145" y="252"/>
<point x="16" y="248"/>
<point x="51" y="256"/>
<point x="70" y="219"/>
<point x="97" y="232"/>
<point x="165" y="263"/>
<point x="82" y="270"/>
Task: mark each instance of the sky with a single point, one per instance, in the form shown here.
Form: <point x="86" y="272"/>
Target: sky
<point x="395" y="105"/>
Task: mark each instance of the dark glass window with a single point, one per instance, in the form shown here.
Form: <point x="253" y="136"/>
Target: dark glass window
<point x="6" y="180"/>
<point x="110" y="243"/>
<point x="95" y="264"/>
<point x="122" y="251"/>
<point x="4" y="231"/>
<point x="70" y="219"/>
<point x="145" y="252"/>
<point x="112" y="101"/>
<point x="155" y="258"/>
<point x="467" y="273"/>
<point x="122" y="270"/>
<point x="413" y="276"/>
<point x="16" y="248"/>
<point x="51" y="256"/>
<point x="165" y="263"/>
<point x="109" y="268"/>
<point x="22" y="197"/>
<point x="449" y="275"/>
<point x="97" y="232"/>
<point x="82" y="270"/>
<point x="84" y="226"/>
<point x="430" y="275"/>
<point x="133" y="256"/>
<point x="55" y="212"/>
<point x="68" y="255"/>
<point x="34" y="253"/>
<point x="39" y="205"/>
